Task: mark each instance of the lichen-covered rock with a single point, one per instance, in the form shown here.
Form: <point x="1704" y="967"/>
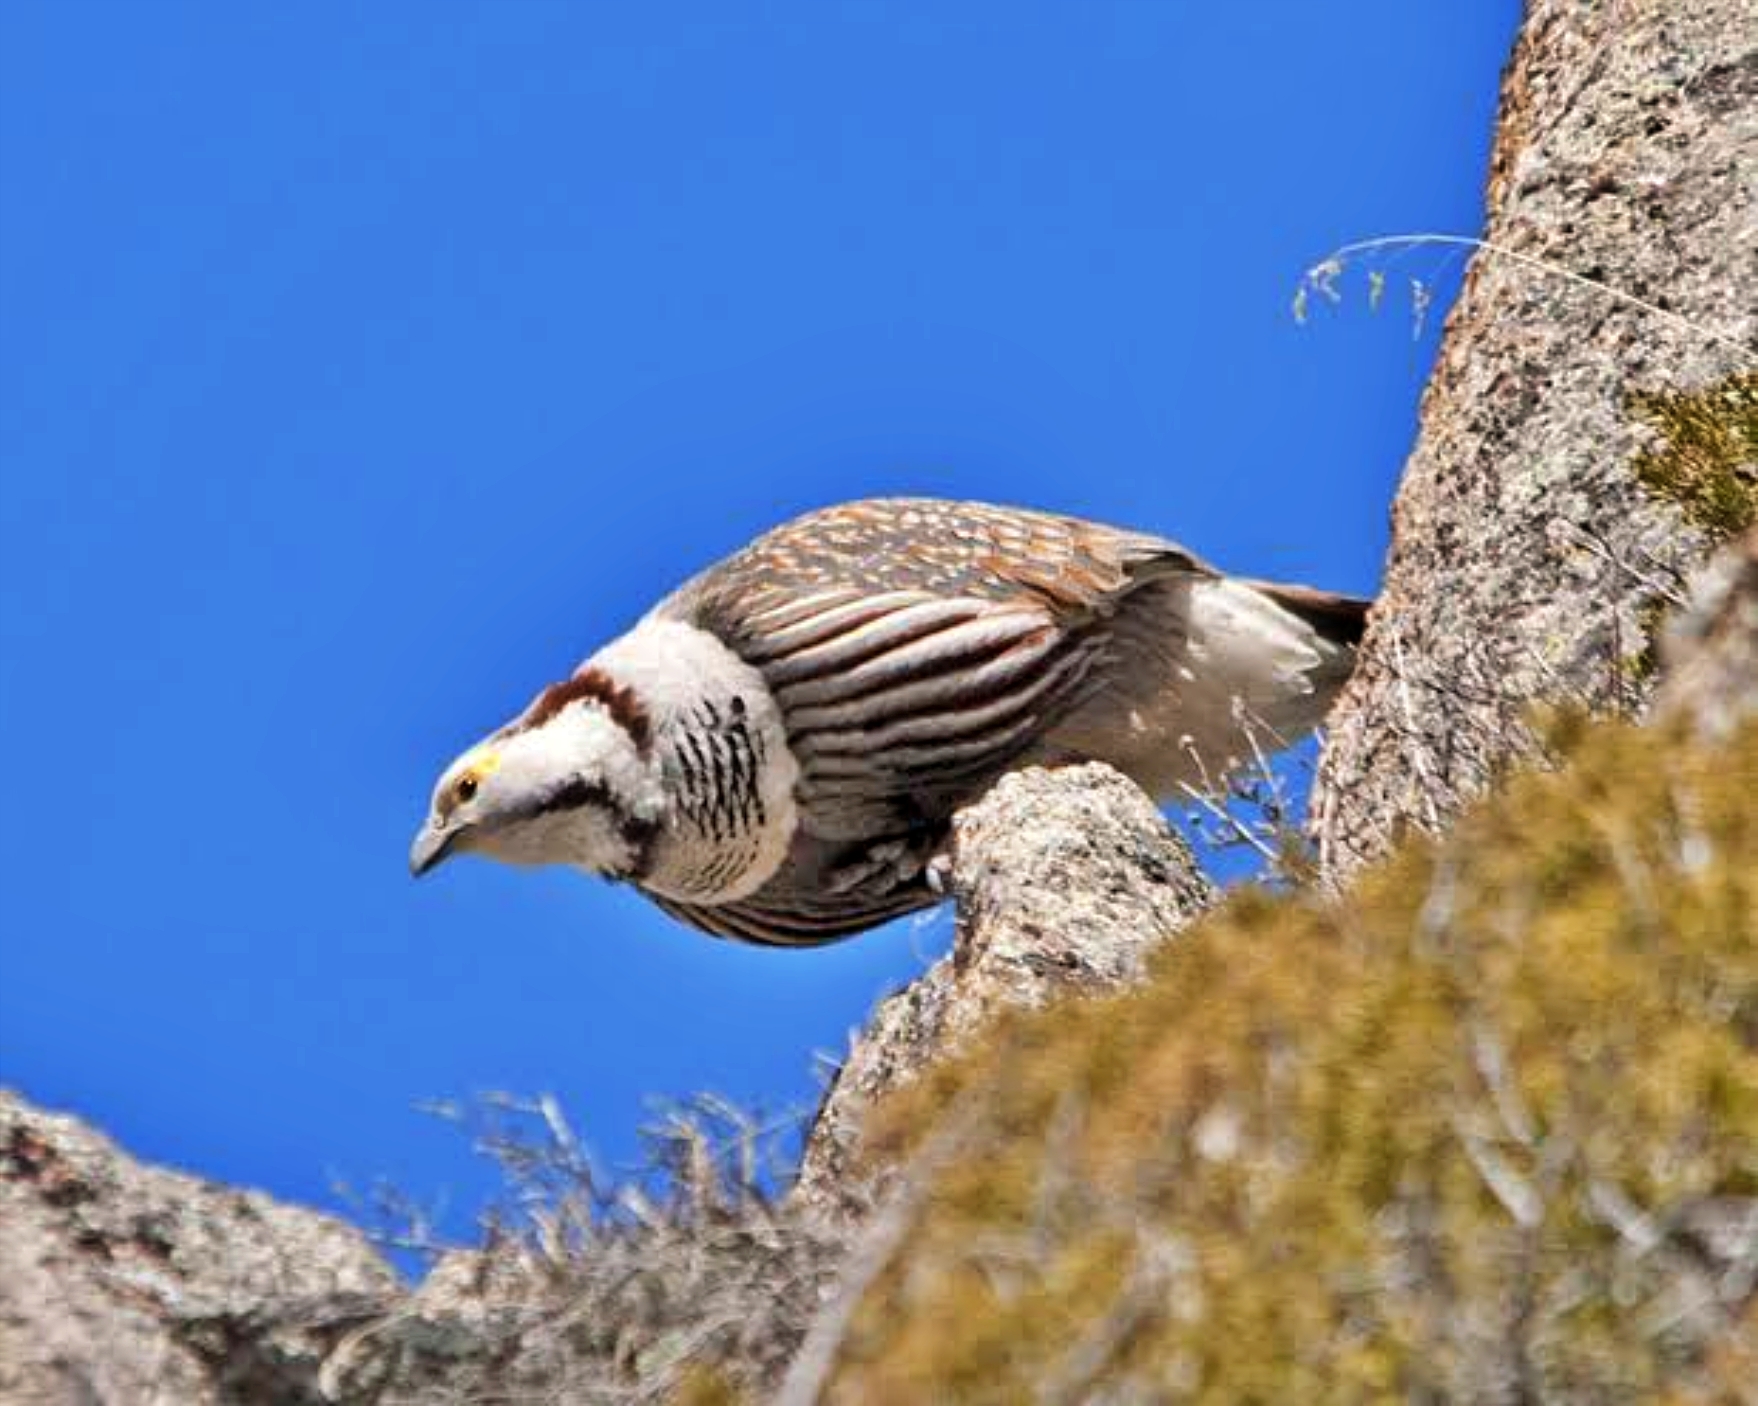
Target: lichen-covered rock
<point x="1065" y="881"/>
<point x="122" y="1283"/>
<point x="1541" y="523"/>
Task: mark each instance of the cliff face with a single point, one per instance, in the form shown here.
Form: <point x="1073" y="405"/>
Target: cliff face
<point x="1529" y="558"/>
<point x="123" y="1283"/>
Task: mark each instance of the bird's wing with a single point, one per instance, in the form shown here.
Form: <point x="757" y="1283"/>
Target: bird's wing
<point x="918" y="647"/>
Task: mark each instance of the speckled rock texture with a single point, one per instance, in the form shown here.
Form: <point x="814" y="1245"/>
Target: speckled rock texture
<point x="121" y="1284"/>
<point x="1528" y="561"/>
<point x="1065" y="881"/>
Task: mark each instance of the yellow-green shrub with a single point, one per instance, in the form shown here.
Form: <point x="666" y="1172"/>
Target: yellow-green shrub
<point x="1455" y="1135"/>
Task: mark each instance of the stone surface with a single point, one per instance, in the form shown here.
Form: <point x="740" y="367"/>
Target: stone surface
<point x="1527" y="559"/>
<point x="123" y="1284"/>
<point x="1064" y="881"/>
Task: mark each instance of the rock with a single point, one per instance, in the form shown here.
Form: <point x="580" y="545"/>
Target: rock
<point x="1710" y="650"/>
<point x="121" y="1283"/>
<point x="1065" y="881"/>
<point x="1529" y="557"/>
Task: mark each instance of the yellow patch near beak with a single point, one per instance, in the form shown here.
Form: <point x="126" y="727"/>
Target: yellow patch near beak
<point x="482" y="764"/>
<point x="466" y="776"/>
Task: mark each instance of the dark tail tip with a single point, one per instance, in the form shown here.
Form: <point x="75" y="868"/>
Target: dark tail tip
<point x="1339" y="619"/>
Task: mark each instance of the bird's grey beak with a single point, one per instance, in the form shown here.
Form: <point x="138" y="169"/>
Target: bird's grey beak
<point x="432" y="844"/>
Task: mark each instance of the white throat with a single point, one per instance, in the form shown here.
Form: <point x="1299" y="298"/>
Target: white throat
<point x="728" y="772"/>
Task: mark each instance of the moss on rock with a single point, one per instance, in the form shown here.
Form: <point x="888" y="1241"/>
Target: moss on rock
<point x="1707" y="462"/>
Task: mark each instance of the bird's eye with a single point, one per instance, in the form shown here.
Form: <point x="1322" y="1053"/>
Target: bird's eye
<point x="467" y="788"/>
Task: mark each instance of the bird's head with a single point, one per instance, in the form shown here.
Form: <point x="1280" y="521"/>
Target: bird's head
<point x="570" y="781"/>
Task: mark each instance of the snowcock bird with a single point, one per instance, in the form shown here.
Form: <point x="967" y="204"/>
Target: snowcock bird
<point x="775" y="752"/>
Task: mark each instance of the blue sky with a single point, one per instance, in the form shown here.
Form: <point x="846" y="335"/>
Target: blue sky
<point x="362" y="368"/>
